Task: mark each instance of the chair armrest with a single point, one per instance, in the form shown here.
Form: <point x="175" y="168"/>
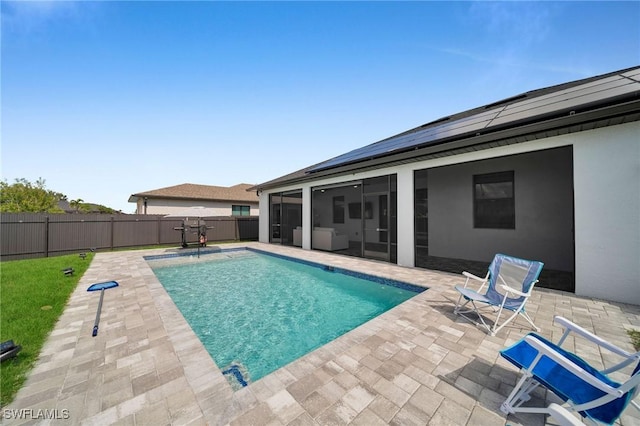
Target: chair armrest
<point x="544" y="349"/>
<point x="591" y="337"/>
<point x="514" y="291"/>
<point x="470" y="275"/>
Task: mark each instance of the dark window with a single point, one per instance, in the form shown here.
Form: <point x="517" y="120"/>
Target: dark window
<point x="494" y="201"/>
<point x="240" y="210"/>
<point x="338" y="209"/>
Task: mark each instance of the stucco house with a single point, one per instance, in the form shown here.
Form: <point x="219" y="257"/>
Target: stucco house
<point x="225" y="201"/>
<point x="551" y="174"/>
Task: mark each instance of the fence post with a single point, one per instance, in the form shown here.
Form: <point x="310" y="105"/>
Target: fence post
<point x="237" y="231"/>
<point x="46" y="236"/>
<point x="112" y="231"/>
<point x="158" y="223"/>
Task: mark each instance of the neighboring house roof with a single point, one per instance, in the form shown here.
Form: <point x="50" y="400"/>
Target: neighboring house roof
<point x="86" y="208"/>
<point x="64" y="205"/>
<point x="586" y="104"/>
<point x="190" y="191"/>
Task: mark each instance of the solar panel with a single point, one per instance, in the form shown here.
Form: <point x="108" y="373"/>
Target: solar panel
<point x="635" y="74"/>
<point x="574" y="92"/>
<point x="520" y="109"/>
<point x="566" y="100"/>
<point x="413" y="139"/>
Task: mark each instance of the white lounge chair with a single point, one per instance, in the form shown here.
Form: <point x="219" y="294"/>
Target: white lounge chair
<point x="586" y="390"/>
<point x="509" y="282"/>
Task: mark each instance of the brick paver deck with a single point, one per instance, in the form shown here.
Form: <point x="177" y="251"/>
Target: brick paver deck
<point x="416" y="364"/>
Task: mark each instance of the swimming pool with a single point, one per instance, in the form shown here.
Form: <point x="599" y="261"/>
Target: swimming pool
<point x="255" y="312"/>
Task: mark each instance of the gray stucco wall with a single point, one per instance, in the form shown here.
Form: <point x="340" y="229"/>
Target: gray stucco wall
<point x="543" y="185"/>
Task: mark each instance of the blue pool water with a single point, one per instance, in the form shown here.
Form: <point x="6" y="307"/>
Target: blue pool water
<point x="255" y="313"/>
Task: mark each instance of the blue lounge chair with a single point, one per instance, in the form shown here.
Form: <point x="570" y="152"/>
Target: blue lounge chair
<point x="509" y="283"/>
<point x="590" y="392"/>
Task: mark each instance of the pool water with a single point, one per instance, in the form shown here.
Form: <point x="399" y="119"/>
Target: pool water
<point x="255" y="313"/>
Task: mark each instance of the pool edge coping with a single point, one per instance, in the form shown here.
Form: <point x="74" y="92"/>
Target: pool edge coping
<point x="370" y="277"/>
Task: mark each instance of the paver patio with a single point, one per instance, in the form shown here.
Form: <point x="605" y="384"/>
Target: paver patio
<point x="416" y="364"/>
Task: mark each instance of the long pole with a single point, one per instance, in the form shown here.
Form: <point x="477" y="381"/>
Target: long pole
<point x="97" y="321"/>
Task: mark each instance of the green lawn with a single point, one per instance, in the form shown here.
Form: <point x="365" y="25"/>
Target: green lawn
<point x="33" y="294"/>
<point x="635" y="338"/>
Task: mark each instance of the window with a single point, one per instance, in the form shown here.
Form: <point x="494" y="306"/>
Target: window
<point x="338" y="209"/>
<point x="240" y="210"/>
<point x="494" y="201"/>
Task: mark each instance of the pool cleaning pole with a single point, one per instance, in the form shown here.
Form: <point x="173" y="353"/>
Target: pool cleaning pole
<point x="95" y="324"/>
<point x="102" y="287"/>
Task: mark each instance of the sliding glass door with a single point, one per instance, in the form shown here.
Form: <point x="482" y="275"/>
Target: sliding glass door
<point x="379" y="199"/>
<point x="376" y="226"/>
<point x="421" y="217"/>
<point x="285" y="216"/>
<point x="357" y="218"/>
<point x="275" y="216"/>
<point x="336" y="218"/>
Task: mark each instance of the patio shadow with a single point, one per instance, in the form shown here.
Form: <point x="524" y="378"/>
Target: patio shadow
<point x="489" y="384"/>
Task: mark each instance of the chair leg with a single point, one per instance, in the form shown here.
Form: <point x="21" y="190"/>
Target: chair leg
<point x="475" y="311"/>
<point x="459" y="309"/>
<point x="482" y="320"/>
<point x="495" y="327"/>
<point x="520" y="394"/>
<point x="511" y="318"/>
<point x="528" y="318"/>
<point x="458" y="306"/>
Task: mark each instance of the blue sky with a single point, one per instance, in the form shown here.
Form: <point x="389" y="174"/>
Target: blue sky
<point x="107" y="99"/>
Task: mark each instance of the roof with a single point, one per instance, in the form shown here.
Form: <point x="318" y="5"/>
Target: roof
<point x="191" y="191"/>
<point x="83" y="207"/>
<point x="600" y="101"/>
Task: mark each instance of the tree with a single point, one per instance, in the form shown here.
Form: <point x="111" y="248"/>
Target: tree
<point x="76" y="204"/>
<point x="24" y="196"/>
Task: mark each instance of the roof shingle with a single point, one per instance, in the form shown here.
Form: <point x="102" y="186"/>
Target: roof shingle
<point x="190" y="191"/>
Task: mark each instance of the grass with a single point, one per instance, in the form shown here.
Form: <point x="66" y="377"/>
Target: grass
<point x="33" y="294"/>
<point x="635" y="338"/>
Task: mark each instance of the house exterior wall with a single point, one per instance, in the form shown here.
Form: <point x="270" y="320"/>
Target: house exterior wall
<point x="168" y="206"/>
<point x="264" y="224"/>
<point x="543" y="210"/>
<point x="606" y="174"/>
<point x="607" y="213"/>
<point x="405" y="221"/>
<point x="306" y="217"/>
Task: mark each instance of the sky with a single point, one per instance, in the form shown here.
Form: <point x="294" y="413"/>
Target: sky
<point x="104" y="99"/>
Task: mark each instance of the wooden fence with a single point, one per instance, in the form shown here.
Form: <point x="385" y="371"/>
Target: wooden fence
<point x="32" y="235"/>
